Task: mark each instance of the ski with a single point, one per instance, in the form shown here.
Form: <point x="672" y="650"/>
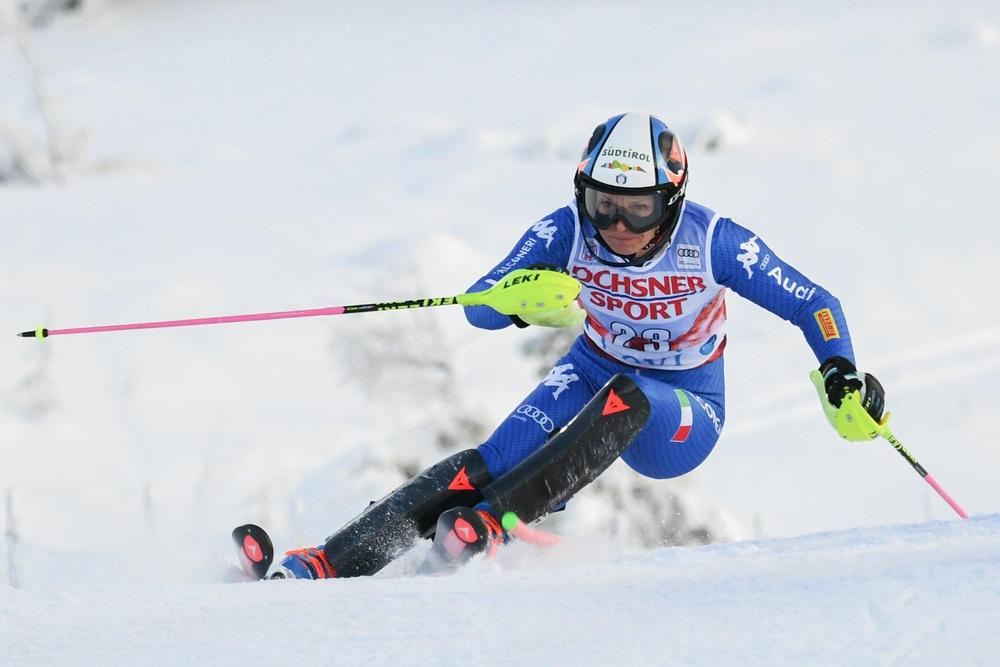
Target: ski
<point x="254" y="550"/>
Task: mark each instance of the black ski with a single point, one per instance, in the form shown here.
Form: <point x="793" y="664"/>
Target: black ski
<point x="254" y="550"/>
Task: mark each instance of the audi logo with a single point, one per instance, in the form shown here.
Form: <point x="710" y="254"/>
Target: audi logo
<point x="538" y="416"/>
<point x="688" y="252"/>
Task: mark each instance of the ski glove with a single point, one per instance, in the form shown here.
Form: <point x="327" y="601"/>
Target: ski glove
<point x="568" y="316"/>
<point x="853" y="401"/>
<point x="571" y="315"/>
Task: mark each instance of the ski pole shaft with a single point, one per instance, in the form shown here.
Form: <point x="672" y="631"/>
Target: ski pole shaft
<point x="523" y="291"/>
<point x="253" y="317"/>
<point x="888" y="435"/>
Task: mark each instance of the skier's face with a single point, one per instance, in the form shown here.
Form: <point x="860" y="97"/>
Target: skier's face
<point x="621" y="239"/>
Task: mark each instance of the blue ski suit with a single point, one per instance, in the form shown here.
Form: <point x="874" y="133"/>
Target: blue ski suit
<point x="663" y="323"/>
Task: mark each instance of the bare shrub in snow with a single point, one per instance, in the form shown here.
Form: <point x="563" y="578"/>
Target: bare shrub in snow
<point x="32" y="397"/>
<point x="39" y="13"/>
<point x="37" y="141"/>
<point x="404" y="362"/>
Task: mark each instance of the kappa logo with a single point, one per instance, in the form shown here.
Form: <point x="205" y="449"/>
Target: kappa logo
<point x="560" y="378"/>
<point x="751" y="253"/>
<point x="538" y="416"/>
<point x="545" y="230"/>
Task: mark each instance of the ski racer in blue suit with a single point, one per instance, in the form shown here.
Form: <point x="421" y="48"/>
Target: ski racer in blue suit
<point x="654" y="269"/>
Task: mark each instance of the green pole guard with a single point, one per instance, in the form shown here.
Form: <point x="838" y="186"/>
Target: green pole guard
<point x="526" y="291"/>
<point x="851" y="421"/>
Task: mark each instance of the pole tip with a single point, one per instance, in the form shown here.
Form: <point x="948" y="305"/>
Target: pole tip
<point x="39" y="333"/>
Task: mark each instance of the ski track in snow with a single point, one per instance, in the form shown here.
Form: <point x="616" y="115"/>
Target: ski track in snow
<point x="912" y="594"/>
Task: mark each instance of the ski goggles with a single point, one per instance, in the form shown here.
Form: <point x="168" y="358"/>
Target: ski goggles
<point x="640" y="213"/>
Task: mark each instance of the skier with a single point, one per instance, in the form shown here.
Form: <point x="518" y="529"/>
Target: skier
<point x="644" y="381"/>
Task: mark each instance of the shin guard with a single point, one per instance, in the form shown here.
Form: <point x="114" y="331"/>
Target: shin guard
<point x="390" y="526"/>
<point x="575" y="456"/>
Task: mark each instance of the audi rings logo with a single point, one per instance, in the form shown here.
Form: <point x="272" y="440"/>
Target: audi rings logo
<point x="538" y="416"/>
<point x="688" y="256"/>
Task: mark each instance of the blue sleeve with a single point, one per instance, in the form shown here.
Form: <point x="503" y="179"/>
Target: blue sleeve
<point x="548" y="241"/>
<point x="745" y="264"/>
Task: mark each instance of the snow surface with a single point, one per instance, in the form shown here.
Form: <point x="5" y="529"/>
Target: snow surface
<point x="917" y="594"/>
<point x="233" y="157"/>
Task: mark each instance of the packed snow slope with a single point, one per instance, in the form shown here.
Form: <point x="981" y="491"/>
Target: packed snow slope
<point x="917" y="594"/>
<point x="232" y="157"/>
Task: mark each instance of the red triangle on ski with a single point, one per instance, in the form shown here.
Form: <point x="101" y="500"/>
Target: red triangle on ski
<point x="252" y="549"/>
<point x="461" y="482"/>
<point x="465" y="531"/>
<point x="614" y="404"/>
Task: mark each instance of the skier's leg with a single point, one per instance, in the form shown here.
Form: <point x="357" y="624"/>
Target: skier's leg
<point x="575" y="456"/>
<point x="391" y="526"/>
<point x="681" y="433"/>
<point x="462" y="531"/>
<point x="386" y="529"/>
<point x="556" y="400"/>
<point x="549" y="476"/>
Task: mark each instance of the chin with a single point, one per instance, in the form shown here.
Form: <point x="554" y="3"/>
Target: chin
<point x="623" y="250"/>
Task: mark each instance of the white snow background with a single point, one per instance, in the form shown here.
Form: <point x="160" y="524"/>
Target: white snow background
<point x="232" y="157"/>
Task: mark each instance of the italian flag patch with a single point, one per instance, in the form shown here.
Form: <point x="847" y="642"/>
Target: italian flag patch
<point x="687" y="418"/>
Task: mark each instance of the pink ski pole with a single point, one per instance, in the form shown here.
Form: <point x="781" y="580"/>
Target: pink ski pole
<point x="42" y="332"/>
<point x="888" y="435"/>
<point x="522" y="291"/>
<point x="513" y="525"/>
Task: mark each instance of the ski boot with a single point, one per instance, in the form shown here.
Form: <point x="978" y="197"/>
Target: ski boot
<point x="308" y="563"/>
<point x="462" y="533"/>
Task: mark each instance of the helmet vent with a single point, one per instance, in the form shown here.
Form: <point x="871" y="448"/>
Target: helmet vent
<point x="670" y="149"/>
<point x="595" y="138"/>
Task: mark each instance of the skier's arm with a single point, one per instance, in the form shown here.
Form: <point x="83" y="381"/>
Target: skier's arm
<point x="547" y="242"/>
<point x="745" y="264"/>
